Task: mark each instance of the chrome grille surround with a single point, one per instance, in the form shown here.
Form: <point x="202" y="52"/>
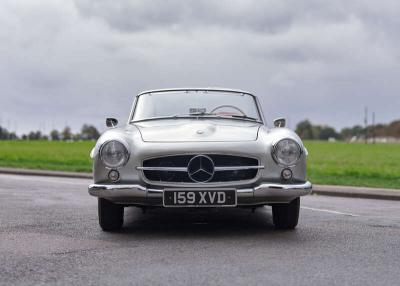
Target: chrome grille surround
<point x="179" y="169"/>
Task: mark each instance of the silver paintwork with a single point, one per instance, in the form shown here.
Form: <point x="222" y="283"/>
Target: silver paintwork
<point x="180" y="136"/>
<point x="185" y="130"/>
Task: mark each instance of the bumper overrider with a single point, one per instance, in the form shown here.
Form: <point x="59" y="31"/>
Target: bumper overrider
<point x="263" y="193"/>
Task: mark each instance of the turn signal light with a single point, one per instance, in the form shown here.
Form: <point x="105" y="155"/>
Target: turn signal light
<point x="287" y="174"/>
<point x="113" y="175"/>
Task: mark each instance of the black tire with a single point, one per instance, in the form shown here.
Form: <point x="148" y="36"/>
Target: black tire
<point x="286" y="216"/>
<point x="111" y="216"/>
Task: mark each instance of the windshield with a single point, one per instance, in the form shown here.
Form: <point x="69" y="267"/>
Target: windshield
<point x="196" y="103"/>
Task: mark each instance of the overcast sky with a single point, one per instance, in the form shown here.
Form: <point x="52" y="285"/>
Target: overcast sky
<point x="73" y="62"/>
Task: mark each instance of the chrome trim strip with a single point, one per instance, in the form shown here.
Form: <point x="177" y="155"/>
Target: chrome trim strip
<point x="258" y="194"/>
<point x="234" y="168"/>
<point x="185" y="169"/>
<point x="165" y="169"/>
<point x="116" y="187"/>
<point x="196" y="117"/>
<point x="276" y="186"/>
<point x="212" y="89"/>
<point x="260" y="111"/>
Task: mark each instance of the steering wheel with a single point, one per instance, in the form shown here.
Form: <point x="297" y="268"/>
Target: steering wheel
<point x="229" y="106"/>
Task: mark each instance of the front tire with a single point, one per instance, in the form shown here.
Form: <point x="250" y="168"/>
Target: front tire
<point x="286" y="216"/>
<point x="111" y="216"/>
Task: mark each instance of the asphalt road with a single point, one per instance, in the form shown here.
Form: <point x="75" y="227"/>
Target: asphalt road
<point x="49" y="235"/>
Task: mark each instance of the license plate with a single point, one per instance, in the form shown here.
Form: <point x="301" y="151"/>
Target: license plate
<point x="199" y="198"/>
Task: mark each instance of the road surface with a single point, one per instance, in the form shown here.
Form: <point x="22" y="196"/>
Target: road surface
<point x="49" y="235"/>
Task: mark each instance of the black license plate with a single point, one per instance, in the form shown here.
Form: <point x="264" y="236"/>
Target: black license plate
<point x="199" y="198"/>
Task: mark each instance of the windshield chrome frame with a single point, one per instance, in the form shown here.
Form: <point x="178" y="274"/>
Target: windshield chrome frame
<point x="256" y="101"/>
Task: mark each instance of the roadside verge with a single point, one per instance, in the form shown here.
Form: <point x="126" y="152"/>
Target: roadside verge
<point x="46" y="173"/>
<point x="325" y="190"/>
<point x="357" y="192"/>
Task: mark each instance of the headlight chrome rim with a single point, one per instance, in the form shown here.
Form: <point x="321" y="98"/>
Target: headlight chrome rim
<point x="276" y="159"/>
<point x="126" y="157"/>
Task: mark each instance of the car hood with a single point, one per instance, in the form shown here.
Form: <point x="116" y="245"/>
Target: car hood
<point x="198" y="130"/>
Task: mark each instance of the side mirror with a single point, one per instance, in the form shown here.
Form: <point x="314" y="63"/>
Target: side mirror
<point x="280" y="122"/>
<point x="111" y="122"/>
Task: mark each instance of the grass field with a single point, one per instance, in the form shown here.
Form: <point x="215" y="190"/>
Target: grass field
<point x="356" y="164"/>
<point x="337" y="163"/>
<point x="47" y="155"/>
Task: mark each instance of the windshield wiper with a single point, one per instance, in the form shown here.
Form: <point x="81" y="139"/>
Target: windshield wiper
<point x="245" y="117"/>
<point x="177" y="116"/>
<point x="157" y="118"/>
<point x="202" y="114"/>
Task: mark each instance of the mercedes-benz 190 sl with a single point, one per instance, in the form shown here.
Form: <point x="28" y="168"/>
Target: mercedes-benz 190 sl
<point x="198" y="147"/>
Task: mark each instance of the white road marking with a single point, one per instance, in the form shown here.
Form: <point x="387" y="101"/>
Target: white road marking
<point x="329" y="211"/>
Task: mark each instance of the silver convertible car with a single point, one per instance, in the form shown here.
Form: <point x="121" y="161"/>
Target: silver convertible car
<point x="198" y="147"/>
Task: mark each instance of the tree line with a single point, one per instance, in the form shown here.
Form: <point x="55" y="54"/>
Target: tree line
<point x="306" y="130"/>
<point x="87" y="132"/>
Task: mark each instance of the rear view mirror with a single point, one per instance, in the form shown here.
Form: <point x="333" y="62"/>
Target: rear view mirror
<point x="280" y="122"/>
<point x="111" y="122"/>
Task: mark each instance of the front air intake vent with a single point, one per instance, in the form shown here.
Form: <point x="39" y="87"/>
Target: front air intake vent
<point x="200" y="168"/>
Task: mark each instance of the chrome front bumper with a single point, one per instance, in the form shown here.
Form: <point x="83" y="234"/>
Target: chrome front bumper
<point x="261" y="194"/>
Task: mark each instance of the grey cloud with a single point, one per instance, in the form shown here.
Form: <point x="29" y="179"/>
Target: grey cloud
<point x="75" y="62"/>
<point x="139" y="15"/>
<point x="258" y="15"/>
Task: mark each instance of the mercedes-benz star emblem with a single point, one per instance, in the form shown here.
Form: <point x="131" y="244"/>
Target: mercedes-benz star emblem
<point x="201" y="169"/>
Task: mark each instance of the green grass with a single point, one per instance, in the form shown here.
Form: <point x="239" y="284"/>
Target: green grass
<point x="336" y="163"/>
<point x="47" y="155"/>
<point x="356" y="164"/>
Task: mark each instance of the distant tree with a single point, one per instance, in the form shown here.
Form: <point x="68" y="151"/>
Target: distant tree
<point x="358" y="130"/>
<point x="3" y="133"/>
<point x="66" y="134"/>
<point x="328" y="132"/>
<point x="304" y="130"/>
<point x="34" y="135"/>
<point x="379" y="130"/>
<point x="350" y="132"/>
<point x="13" y="136"/>
<point x="346" y="133"/>
<point x="54" y="135"/>
<point x="89" y="132"/>
<point x="394" y="129"/>
<point x="316" y="132"/>
<point x="76" y="137"/>
<point x="24" y="137"/>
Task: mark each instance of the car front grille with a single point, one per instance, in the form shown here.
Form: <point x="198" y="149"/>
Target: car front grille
<point x="199" y="168"/>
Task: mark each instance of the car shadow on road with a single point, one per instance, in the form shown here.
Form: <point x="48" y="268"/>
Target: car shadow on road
<point x="156" y="223"/>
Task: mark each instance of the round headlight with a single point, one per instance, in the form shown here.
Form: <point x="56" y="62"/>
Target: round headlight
<point x="114" y="154"/>
<point x="286" y="152"/>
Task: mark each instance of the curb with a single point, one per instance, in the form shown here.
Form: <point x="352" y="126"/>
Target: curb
<point x="45" y="173"/>
<point x="325" y="190"/>
<point x="357" y="192"/>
